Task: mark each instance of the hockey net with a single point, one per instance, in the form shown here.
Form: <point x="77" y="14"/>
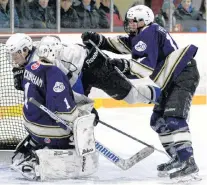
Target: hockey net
<point x="12" y="130"/>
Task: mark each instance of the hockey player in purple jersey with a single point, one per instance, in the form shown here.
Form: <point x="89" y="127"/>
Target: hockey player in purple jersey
<point x="155" y="54"/>
<point x="49" y="151"/>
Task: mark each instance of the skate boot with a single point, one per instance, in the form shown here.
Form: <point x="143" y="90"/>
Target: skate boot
<point x="163" y="169"/>
<point x="26" y="168"/>
<point x="187" y="172"/>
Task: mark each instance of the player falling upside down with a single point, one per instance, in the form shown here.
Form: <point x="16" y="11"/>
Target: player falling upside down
<point x="156" y="54"/>
<point x="85" y="69"/>
<point x="49" y="151"/>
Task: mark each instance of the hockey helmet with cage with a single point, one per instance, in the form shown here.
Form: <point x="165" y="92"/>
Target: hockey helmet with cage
<point x="18" y="42"/>
<point x="49" y="49"/>
<point x="138" y="13"/>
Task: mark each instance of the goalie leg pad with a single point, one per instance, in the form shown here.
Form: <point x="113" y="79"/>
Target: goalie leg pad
<point x="65" y="164"/>
<point x="83" y="131"/>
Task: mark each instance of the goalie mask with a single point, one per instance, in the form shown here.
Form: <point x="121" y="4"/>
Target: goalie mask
<point x="134" y="16"/>
<point x="49" y="49"/>
<point x="18" y="47"/>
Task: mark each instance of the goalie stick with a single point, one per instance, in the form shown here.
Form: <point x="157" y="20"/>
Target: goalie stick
<point x="120" y="73"/>
<point x="124" y="164"/>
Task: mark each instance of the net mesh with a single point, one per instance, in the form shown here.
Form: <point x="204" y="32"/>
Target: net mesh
<point x="11" y="122"/>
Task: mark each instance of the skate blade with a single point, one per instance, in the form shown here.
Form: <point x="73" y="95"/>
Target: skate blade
<point x="166" y="173"/>
<point x="163" y="174"/>
<point x="188" y="178"/>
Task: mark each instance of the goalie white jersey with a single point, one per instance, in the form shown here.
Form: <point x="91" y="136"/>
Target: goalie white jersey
<point x="72" y="57"/>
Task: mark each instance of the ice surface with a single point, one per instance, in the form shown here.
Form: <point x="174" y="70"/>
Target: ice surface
<point x="134" y="121"/>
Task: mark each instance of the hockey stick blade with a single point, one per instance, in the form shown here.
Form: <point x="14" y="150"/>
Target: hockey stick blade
<point x="124" y="164"/>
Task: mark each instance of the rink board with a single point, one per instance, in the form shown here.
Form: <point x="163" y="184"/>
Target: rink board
<point x="16" y="111"/>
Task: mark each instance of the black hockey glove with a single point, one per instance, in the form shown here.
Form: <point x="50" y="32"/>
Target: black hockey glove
<point x="94" y="59"/>
<point x="122" y="64"/>
<point x="18" y="74"/>
<point x="95" y="37"/>
<point x="94" y="111"/>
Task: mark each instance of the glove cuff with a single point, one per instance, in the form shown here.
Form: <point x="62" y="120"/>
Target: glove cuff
<point x="125" y="66"/>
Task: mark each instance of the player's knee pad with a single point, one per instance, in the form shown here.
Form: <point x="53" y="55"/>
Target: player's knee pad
<point x="179" y="129"/>
<point x="175" y="131"/>
<point x="157" y="122"/>
<point x="176" y="124"/>
<point x="179" y="101"/>
<point x="153" y="119"/>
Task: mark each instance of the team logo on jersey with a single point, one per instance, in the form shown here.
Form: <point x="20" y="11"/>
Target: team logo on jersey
<point x="47" y="140"/>
<point x="58" y="87"/>
<point x="35" y="65"/>
<point x="140" y="46"/>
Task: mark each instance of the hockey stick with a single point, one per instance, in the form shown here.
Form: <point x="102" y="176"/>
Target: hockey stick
<point x="135" y="139"/>
<point x="120" y="73"/>
<point x="124" y="164"/>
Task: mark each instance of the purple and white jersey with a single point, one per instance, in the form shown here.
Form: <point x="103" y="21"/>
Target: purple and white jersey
<point x="49" y="86"/>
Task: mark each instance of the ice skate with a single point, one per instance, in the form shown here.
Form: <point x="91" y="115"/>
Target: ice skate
<point x="164" y="168"/>
<point x="188" y="172"/>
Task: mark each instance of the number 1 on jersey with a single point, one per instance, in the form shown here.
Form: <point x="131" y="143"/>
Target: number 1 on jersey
<point x="26" y="88"/>
<point x="67" y="104"/>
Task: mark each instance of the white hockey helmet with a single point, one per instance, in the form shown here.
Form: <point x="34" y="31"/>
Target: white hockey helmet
<point x="49" y="49"/>
<point x="139" y="13"/>
<point x="18" y="42"/>
<point x="18" y="47"/>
